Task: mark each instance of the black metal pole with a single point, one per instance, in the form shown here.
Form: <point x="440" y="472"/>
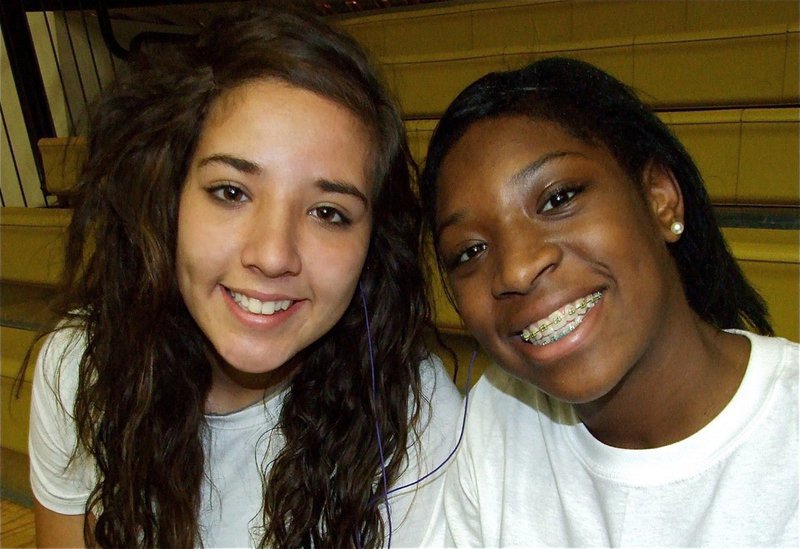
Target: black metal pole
<point x="27" y="77"/>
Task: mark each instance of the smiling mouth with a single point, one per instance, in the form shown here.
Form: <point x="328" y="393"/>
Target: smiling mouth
<point x="560" y="322"/>
<point x="253" y="305"/>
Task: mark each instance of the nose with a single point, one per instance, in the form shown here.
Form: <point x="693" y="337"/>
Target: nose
<point x="271" y="244"/>
<point x="521" y="260"/>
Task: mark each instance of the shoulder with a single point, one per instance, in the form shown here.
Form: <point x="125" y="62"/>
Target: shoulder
<point x="767" y="398"/>
<point x="437" y="387"/>
<point x="500" y="390"/>
<point x="773" y="356"/>
<point x="431" y="444"/>
<point x="502" y="406"/>
<point x="61" y="477"/>
<point x="57" y="364"/>
<point x="440" y="407"/>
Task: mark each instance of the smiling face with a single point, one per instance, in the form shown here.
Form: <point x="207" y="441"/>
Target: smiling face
<point x="558" y="265"/>
<point x="274" y="222"/>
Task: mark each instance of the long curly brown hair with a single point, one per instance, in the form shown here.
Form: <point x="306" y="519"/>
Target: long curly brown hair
<point x="145" y="373"/>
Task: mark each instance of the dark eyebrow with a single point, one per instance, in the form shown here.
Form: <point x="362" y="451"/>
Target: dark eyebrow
<point x="522" y="175"/>
<point x="342" y="188"/>
<point x="240" y="164"/>
<point x="249" y="167"/>
<point x="451" y="219"/>
<point x="530" y="170"/>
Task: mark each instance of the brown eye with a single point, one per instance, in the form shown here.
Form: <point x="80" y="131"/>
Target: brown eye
<point x="228" y="193"/>
<point x="559" y="198"/>
<point x="329" y="214"/>
<point x="468" y="253"/>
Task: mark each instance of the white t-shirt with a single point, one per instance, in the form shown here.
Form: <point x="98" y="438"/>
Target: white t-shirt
<point x="238" y="445"/>
<point x="531" y="474"/>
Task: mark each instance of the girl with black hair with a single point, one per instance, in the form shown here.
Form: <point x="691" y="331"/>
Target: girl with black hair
<point x="639" y="399"/>
<point x="242" y="359"/>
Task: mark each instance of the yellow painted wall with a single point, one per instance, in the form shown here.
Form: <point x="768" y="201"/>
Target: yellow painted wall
<point x="690" y="53"/>
<point x="486" y="25"/>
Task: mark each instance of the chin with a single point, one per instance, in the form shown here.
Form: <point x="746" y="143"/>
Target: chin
<point x="253" y="361"/>
<point x="561" y="383"/>
<point x="586" y="393"/>
<point x="254" y="365"/>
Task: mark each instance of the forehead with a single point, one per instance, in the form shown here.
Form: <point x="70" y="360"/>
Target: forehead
<point x="268" y="121"/>
<point x="496" y="158"/>
<point x="263" y="99"/>
<point x="498" y="148"/>
<point x="490" y="139"/>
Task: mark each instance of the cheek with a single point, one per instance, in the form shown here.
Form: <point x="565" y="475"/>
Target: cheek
<point x="183" y="252"/>
<point x="188" y="227"/>
<point x="474" y="303"/>
<point x="199" y="247"/>
<point x="614" y="234"/>
<point x="633" y="255"/>
<point x="337" y="266"/>
<point x="186" y="264"/>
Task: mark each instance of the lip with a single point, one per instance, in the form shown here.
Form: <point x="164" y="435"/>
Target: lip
<point x="567" y="344"/>
<point x="260" y="320"/>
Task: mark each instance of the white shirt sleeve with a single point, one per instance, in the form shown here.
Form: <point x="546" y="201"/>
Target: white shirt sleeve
<point x="415" y="510"/>
<point x="59" y="482"/>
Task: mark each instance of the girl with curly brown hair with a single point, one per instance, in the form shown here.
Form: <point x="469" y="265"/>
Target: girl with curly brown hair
<point x="242" y="359"/>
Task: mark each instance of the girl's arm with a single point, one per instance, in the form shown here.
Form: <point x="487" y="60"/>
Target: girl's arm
<point x="57" y="530"/>
<point x="61" y="479"/>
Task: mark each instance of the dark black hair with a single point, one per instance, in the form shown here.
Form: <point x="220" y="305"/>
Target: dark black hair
<point x="595" y="107"/>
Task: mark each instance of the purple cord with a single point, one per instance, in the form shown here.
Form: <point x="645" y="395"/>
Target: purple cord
<point x="377" y="425"/>
<point x="460" y="436"/>
<point x="386" y="491"/>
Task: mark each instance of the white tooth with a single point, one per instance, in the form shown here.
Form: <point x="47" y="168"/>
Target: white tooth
<point x="557" y="320"/>
<point x="254" y="305"/>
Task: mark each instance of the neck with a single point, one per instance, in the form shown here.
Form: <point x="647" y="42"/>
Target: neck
<point x="683" y="381"/>
<point x="233" y="390"/>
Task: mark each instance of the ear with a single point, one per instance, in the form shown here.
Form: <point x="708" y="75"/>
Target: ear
<point x="664" y="198"/>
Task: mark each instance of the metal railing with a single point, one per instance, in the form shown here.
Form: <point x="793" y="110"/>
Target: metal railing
<point x="58" y="56"/>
